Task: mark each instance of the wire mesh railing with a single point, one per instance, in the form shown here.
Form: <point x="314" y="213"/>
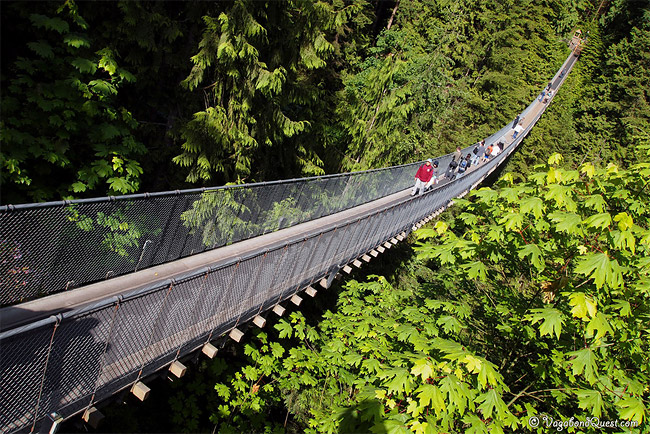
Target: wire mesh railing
<point x="51" y="247"/>
<point x="70" y="361"/>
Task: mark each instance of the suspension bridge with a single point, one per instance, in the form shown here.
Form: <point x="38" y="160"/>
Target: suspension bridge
<point x="100" y="294"/>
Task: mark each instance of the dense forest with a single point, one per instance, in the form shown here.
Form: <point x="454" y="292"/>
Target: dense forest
<point x="530" y="298"/>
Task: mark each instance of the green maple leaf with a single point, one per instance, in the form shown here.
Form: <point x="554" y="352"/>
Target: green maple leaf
<point x="468" y="218"/>
<point x="430" y="395"/>
<point x="401" y="380"/>
<point x="601" y="220"/>
<point x="625" y="222"/>
<point x="535" y="254"/>
<point x="566" y="222"/>
<point x="533" y="205"/>
<point x="486" y="195"/>
<point x="631" y="409"/>
<point x="510" y="194"/>
<point x="599" y="267"/>
<point x="404" y="331"/>
<point x="120" y="184"/>
<point x="476" y="425"/>
<point x="584" y="361"/>
<point x="449" y="324"/>
<point x="476" y="269"/>
<point x="453" y="350"/>
<point x="512" y="221"/>
<point x="371" y="365"/>
<point x="582" y="305"/>
<point x="488" y="374"/>
<point x="552" y="321"/>
<point x="490" y="401"/>
<point x="596" y="202"/>
<point x="623" y="306"/>
<point x="285" y="329"/>
<point x="590" y="400"/>
<point x="277" y="350"/>
<point x="422" y="368"/>
<point x="600" y="325"/>
<point x="561" y="194"/>
<point x="353" y="359"/>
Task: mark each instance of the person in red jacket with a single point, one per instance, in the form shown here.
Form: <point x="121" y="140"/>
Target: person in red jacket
<point x="426" y="175"/>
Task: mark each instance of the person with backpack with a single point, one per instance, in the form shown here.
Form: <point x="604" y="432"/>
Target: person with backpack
<point x="424" y="177"/>
<point x="465" y="163"/>
<point x="478" y="152"/>
<point x="451" y="169"/>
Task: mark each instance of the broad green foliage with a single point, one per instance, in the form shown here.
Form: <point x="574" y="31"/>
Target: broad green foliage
<point x="63" y="131"/>
<point x="560" y="285"/>
<point x="545" y="316"/>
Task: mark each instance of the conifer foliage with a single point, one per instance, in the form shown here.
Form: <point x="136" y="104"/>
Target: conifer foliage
<point x="252" y="69"/>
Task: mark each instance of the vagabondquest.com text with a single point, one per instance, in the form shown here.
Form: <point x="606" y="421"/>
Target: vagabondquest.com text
<point x="546" y="421"/>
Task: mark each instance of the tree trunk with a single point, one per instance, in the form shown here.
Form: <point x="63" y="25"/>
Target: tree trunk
<point x="390" y="22"/>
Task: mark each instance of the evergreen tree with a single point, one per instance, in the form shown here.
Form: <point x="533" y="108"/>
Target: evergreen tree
<point x="254" y="67"/>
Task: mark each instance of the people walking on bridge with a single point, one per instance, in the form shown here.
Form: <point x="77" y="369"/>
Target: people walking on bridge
<point x="464" y="164"/>
<point x="425" y="177"/>
<point x="479" y="154"/>
<point x="488" y="152"/>
<point x="458" y="155"/>
<point x="474" y="153"/>
<point x="518" y="129"/>
<point x="548" y="96"/>
<point x="450" y="174"/>
<point x="496" y="150"/>
<point x="515" y="122"/>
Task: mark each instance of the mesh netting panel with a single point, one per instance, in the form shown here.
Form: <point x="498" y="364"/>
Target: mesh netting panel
<point x="366" y="231"/>
<point x="281" y="280"/>
<point x="208" y="312"/>
<point x="132" y="332"/>
<point x="301" y="263"/>
<point x="261" y="287"/>
<point x="339" y="255"/>
<point x="243" y="280"/>
<point x="75" y="362"/>
<point x="328" y="260"/>
<point x="22" y="364"/>
<point x="175" y="316"/>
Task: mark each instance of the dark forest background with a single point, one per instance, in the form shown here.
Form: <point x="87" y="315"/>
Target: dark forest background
<point x="106" y="98"/>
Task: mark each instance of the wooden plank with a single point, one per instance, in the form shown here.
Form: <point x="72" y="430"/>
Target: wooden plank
<point x="140" y="390"/>
<point x="209" y="350"/>
<point x="178" y="369"/>
<point x="236" y="334"/>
